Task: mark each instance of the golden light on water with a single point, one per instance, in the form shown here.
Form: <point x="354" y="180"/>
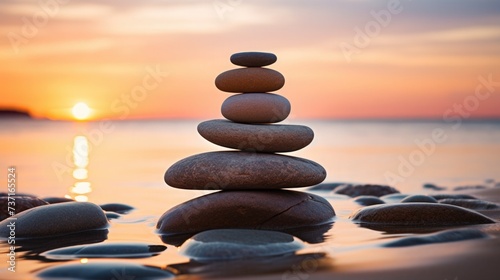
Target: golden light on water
<point x="81" y="188"/>
<point x="84" y="260"/>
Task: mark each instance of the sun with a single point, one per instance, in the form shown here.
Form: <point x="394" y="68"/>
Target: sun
<point x="81" y="111"/>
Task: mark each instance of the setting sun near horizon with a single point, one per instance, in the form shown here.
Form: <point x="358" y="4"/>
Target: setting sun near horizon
<point x="81" y="111"/>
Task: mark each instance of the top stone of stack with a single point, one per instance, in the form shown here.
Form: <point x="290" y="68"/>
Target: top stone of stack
<point x="253" y="59"/>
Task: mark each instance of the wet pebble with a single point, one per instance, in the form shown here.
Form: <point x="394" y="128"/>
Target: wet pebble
<point x="395" y="197"/>
<point x="475" y="204"/>
<point x="367" y="200"/>
<point x="433" y="187"/>
<point x="21" y="203"/>
<point x="419" y="214"/>
<point x="465" y="188"/>
<point x="55" y="199"/>
<point x="460" y="196"/>
<point x="374" y="190"/>
<point x="56" y="219"/>
<point x="328" y="186"/>
<point x="419" y="198"/>
<point x="231" y="244"/>
<point x="117" y="208"/>
<point x="453" y="235"/>
<point x="105" y="250"/>
<point x="112" y="215"/>
<point x="105" y="271"/>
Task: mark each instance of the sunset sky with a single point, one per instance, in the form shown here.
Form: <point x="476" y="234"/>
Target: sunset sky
<point x="341" y="59"/>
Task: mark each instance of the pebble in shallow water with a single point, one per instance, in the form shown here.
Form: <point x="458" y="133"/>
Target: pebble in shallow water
<point x="231" y="244"/>
<point x="56" y="219"/>
<point x="105" y="271"/>
<point x="419" y="214"/>
<point x="475" y="204"/>
<point x="357" y="190"/>
<point x="440" y="237"/>
<point x="419" y="198"/>
<point x="117" y="208"/>
<point x="367" y="200"/>
<point x="105" y="250"/>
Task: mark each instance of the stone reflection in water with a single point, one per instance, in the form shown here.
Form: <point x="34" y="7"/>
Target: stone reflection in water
<point x="82" y="186"/>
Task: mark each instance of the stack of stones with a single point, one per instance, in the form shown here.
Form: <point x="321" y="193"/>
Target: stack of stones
<point x="250" y="178"/>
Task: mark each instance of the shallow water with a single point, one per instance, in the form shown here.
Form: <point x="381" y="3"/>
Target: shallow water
<point x="124" y="162"/>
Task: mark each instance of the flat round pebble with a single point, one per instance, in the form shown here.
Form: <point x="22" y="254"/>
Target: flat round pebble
<point x="453" y="235"/>
<point x="475" y="204"/>
<point x="266" y="210"/>
<point x="374" y="190"/>
<point x="242" y="170"/>
<point x="105" y="250"/>
<point x="250" y="80"/>
<point x="419" y="214"/>
<point x="117" y="208"/>
<point x="234" y="244"/>
<point x="256" y="108"/>
<point x="393" y="197"/>
<point x="264" y="138"/>
<point x="453" y="196"/>
<point x="56" y="219"/>
<point x="367" y="200"/>
<point x="105" y="271"/>
<point x="419" y="198"/>
<point x="253" y="59"/>
<point x="22" y="203"/>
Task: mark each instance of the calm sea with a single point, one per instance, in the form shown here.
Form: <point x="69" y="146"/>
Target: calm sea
<point x="124" y="161"/>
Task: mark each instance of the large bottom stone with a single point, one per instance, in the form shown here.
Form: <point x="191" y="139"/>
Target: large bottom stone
<point x="55" y="219"/>
<point x="268" y="210"/>
<point x="242" y="170"/>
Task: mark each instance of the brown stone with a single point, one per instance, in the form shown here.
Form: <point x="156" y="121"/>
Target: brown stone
<point x="250" y="80"/>
<point x="357" y="190"/>
<point x="256" y="108"/>
<point x="253" y="59"/>
<point x="256" y="137"/>
<point x="230" y="170"/>
<point x="270" y="210"/>
<point x="419" y="214"/>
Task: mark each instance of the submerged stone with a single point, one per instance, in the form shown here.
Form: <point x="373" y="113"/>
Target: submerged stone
<point x="105" y="271"/>
<point x="474" y="204"/>
<point x="453" y="235"/>
<point x="105" y="250"/>
<point x="232" y="244"/>
<point x="367" y="200"/>
<point x="419" y="214"/>
<point x="117" y="208"/>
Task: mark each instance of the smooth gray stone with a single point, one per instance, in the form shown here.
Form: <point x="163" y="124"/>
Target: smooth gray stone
<point x="374" y="190"/>
<point x="253" y="59"/>
<point x="243" y="171"/>
<point x="419" y="214"/>
<point x="264" y="138"/>
<point x="105" y="271"/>
<point x="117" y="208"/>
<point x="233" y="244"/>
<point x="256" y="108"/>
<point x="56" y="219"/>
<point x="454" y="196"/>
<point x="453" y="235"/>
<point x="419" y="198"/>
<point x="105" y="250"/>
<point x="367" y="200"/>
<point x="250" y="80"/>
<point x="267" y="210"/>
<point x="475" y="204"/>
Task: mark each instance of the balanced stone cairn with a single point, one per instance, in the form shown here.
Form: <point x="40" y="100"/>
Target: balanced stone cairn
<point x="250" y="178"/>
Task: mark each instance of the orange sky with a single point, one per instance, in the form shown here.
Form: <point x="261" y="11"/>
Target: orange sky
<point x="422" y="62"/>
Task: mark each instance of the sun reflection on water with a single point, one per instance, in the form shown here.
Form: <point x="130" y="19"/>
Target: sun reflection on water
<point x="81" y="188"/>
